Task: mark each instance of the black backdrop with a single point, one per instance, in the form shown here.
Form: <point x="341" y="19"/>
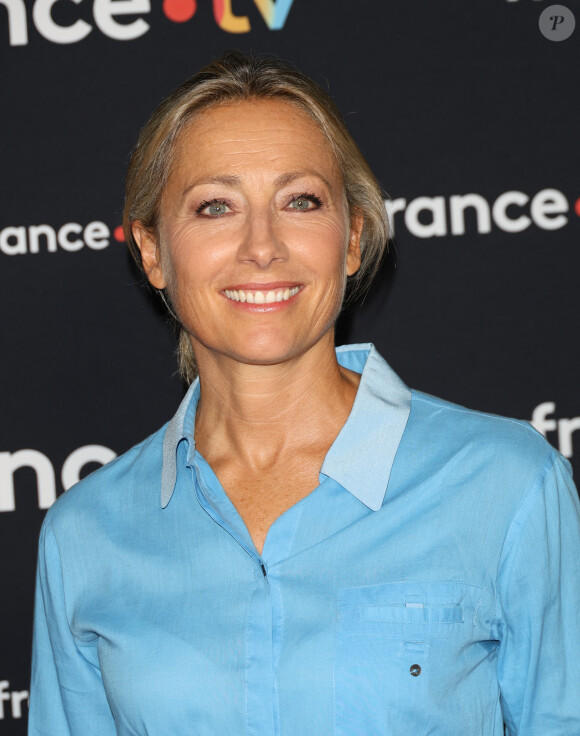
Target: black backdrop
<point x="445" y="98"/>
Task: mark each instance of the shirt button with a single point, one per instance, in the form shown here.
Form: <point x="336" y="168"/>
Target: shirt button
<point x="415" y="670"/>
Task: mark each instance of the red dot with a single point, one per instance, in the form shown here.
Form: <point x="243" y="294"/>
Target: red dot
<point x="119" y="235"/>
<point x="179" y="11"/>
<point x="577" y="207"/>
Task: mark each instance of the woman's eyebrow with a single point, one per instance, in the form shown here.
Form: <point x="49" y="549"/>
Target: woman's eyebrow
<point x="226" y="180"/>
<point x="233" y="180"/>
<point x="291" y="176"/>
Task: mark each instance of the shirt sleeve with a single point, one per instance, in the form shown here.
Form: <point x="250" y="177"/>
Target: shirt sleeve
<point x="539" y="601"/>
<point x="67" y="696"/>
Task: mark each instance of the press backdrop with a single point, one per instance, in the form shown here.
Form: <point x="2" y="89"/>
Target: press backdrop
<point x="468" y="115"/>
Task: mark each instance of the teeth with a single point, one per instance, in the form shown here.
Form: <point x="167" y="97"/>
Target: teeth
<point x="261" y="297"/>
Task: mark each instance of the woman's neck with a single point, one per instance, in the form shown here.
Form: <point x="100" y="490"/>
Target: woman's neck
<point x="258" y="413"/>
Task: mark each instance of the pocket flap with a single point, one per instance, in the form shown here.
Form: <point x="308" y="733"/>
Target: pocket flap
<point x="412" y="613"/>
<point x="420" y="610"/>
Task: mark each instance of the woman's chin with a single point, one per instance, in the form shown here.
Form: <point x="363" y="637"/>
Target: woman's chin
<point x="266" y="357"/>
<point x="261" y="347"/>
<point x="263" y="355"/>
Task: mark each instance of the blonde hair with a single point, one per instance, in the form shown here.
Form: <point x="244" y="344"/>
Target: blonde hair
<point x="231" y="78"/>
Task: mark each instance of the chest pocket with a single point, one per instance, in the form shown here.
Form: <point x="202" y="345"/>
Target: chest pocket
<point x="398" y="652"/>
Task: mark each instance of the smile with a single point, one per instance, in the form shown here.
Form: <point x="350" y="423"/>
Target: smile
<point x="269" y="296"/>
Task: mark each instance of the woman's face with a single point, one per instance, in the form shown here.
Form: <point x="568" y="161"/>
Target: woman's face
<point x="254" y="238"/>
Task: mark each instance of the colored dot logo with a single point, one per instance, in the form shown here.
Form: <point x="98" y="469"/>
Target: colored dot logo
<point x="179" y="11"/>
<point x="577" y="207"/>
<point x="119" y="235"/>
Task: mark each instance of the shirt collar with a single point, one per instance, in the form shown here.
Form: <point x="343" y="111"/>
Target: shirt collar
<point x="362" y="455"/>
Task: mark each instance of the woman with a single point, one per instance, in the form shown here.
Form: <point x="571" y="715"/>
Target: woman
<point x="308" y="547"/>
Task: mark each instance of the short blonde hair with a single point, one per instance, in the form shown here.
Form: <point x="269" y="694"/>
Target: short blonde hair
<point x="236" y="77"/>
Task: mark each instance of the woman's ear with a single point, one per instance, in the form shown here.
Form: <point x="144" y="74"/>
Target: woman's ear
<point x="353" y="255"/>
<point x="150" y="255"/>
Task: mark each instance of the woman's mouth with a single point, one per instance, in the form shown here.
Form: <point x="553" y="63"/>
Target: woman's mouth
<point x="261" y="296"/>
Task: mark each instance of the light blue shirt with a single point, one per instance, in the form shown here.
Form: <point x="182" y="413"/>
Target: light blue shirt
<point x="429" y="585"/>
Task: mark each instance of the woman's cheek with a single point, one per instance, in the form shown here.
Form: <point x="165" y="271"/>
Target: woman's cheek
<point x="320" y="238"/>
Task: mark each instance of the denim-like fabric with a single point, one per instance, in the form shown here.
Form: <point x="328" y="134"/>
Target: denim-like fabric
<point x="429" y="585"/>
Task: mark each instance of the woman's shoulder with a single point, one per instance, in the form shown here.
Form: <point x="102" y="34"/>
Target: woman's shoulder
<point x="479" y="434"/>
<point x="481" y="461"/>
<point x="133" y="477"/>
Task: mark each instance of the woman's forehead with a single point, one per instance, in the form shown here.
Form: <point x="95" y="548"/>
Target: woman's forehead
<point x="254" y="131"/>
<point x="253" y="110"/>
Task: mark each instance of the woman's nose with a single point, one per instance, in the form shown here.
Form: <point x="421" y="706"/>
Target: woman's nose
<point x="262" y="243"/>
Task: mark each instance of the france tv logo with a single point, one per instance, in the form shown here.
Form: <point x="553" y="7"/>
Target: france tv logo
<point x="273" y="13"/>
<point x="105" y="14"/>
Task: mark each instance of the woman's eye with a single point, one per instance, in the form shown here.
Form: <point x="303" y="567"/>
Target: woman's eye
<point x="305" y="202"/>
<point x="217" y="209"/>
<point x="212" y="209"/>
